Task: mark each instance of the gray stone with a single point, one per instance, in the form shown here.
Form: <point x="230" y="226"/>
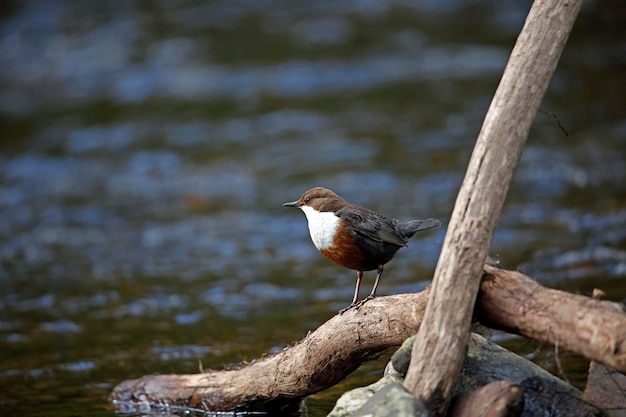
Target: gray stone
<point x="392" y="400"/>
<point x="385" y="397"/>
<point x="402" y="357"/>
<point x="354" y="399"/>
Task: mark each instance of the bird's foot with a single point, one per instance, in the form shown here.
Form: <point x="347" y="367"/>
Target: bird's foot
<point x="343" y="310"/>
<point x="356" y="305"/>
<point x="363" y="301"/>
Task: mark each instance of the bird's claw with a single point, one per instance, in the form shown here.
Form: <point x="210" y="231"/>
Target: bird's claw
<point x="356" y="305"/>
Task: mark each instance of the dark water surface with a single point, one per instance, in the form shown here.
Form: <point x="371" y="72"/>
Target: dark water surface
<point x="146" y="149"/>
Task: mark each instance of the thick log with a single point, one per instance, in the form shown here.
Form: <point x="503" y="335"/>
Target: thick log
<point x="320" y="360"/>
<point x="442" y="339"/>
<point x="511" y="301"/>
<point x="345" y="341"/>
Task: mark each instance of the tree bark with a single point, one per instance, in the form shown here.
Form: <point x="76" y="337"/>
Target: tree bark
<point x="511" y="301"/>
<point x="508" y="300"/>
<point x="323" y="358"/>
<point x="442" y="339"/>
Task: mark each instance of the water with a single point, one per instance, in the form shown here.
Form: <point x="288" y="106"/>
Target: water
<point x="146" y="150"/>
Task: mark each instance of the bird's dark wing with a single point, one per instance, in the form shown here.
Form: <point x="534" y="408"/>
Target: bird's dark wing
<point x="371" y="224"/>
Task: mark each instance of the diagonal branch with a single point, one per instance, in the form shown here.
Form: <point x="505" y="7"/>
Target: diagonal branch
<point x="442" y="339"/>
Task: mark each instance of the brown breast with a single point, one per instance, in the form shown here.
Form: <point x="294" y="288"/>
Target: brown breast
<point x="358" y="252"/>
<point x="347" y="252"/>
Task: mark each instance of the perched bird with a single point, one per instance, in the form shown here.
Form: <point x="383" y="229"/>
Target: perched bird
<point x="353" y="236"/>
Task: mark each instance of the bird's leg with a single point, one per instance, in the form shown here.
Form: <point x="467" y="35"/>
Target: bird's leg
<point x="373" y="293"/>
<point x="359" y="275"/>
<point x="356" y="305"/>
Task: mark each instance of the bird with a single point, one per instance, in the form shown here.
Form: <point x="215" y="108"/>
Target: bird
<point x="355" y="237"/>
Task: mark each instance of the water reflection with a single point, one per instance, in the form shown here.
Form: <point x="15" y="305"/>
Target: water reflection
<point x="146" y="150"/>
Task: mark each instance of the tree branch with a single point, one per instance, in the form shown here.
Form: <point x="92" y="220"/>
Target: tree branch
<point x="508" y="300"/>
<point x="323" y="358"/>
<point x="442" y="339"/>
<point x="511" y="301"/>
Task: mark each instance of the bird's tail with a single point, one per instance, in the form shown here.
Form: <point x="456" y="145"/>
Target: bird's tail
<point x="408" y="228"/>
<point x="426" y="224"/>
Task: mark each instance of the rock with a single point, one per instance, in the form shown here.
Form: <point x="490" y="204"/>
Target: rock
<point x="354" y="399"/>
<point x="518" y="387"/>
<point x="392" y="400"/>
<point x="402" y="357"/>
<point x="606" y="388"/>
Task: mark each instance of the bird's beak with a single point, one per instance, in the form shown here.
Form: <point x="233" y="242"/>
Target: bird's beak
<point x="291" y="204"/>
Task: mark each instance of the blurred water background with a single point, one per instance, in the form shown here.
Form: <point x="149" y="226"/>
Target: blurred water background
<point x="146" y="149"/>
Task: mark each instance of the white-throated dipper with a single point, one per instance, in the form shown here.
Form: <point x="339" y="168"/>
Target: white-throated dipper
<point x="353" y="236"/>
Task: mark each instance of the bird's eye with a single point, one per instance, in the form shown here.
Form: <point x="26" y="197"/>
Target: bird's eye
<point x="306" y="200"/>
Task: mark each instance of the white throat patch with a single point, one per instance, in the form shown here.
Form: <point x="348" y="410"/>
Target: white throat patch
<point x="322" y="227"/>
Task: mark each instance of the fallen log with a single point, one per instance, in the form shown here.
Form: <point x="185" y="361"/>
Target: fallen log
<point x="323" y="358"/>
<point x="344" y="342"/>
<point x="511" y="301"/>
